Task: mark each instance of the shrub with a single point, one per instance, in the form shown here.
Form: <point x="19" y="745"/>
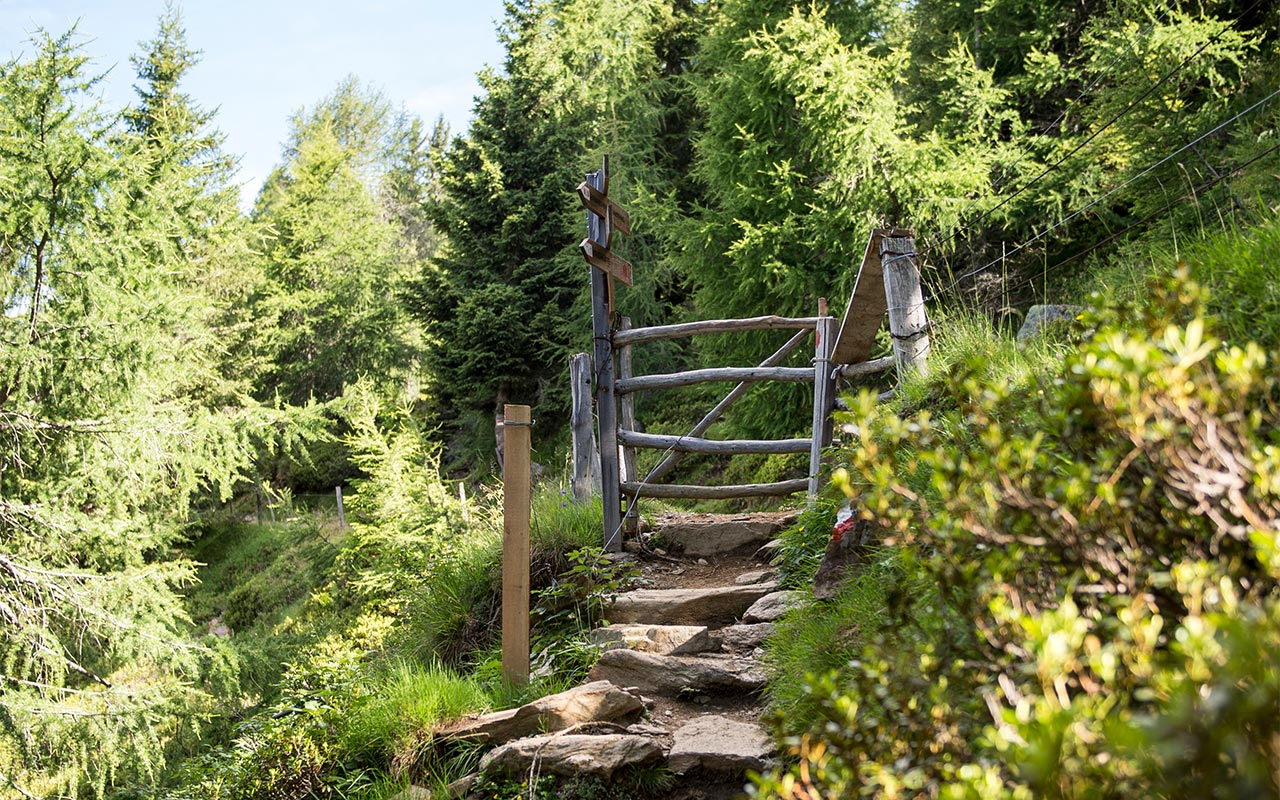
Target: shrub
<point x="1107" y="577"/>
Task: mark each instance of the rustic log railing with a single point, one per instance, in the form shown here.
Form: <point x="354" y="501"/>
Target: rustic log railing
<point x="839" y="351"/>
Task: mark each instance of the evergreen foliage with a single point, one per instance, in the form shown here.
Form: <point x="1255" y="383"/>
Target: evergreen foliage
<point x="108" y="434"/>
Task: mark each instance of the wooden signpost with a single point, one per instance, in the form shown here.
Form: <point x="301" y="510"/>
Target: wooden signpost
<point x="603" y="216"/>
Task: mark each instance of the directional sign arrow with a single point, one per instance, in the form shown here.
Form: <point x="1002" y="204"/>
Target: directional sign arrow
<point x="606" y="261"/>
<point x="599" y="203"/>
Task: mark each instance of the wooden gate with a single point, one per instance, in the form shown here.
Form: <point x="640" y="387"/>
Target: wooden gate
<point x="890" y="258"/>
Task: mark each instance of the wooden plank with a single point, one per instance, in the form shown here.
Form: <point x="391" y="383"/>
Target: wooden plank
<point x="866" y="367"/>
<point x="674" y="379"/>
<point x="586" y="458"/>
<point x="595" y="200"/>
<point x="718" y="492"/>
<point x="606" y="260"/>
<point x="639" y="335"/>
<point x="823" y="400"/>
<point x="516" y="497"/>
<point x="667" y="464"/>
<point x="908" y="322"/>
<point x="865" y="313"/>
<point x="689" y="444"/>
<point x="606" y="397"/>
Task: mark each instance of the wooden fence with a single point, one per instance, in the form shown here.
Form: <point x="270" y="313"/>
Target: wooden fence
<point x="838" y="351"/>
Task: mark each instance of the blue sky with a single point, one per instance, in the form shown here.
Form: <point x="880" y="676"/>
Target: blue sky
<point x="263" y="60"/>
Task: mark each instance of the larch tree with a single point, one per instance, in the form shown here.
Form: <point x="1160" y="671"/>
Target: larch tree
<point x="102" y="443"/>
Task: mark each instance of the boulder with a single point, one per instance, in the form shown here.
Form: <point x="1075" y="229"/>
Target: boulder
<point x="572" y="754"/>
<point x="714" y="743"/>
<point x="772" y="606"/>
<point x="599" y="701"/>
<point x="662" y="639"/>
<point x="461" y="787"/>
<point x="412" y="792"/>
<point x="719" y="534"/>
<point x="744" y="638"/>
<point x="709" y="606"/>
<point x="673" y="675"/>
<point x="1041" y="318"/>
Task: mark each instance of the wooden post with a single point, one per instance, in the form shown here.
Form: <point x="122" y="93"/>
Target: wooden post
<point x="516" y="509"/>
<point x="462" y="498"/>
<point x="823" y="395"/>
<point x="631" y="521"/>
<point x="342" y="513"/>
<point x="908" y="323"/>
<point x="586" y="459"/>
<point x="606" y="399"/>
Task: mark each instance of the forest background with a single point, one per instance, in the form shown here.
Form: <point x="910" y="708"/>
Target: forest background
<point x="169" y="359"/>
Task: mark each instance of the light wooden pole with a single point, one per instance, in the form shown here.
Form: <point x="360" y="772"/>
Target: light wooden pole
<point x="908" y="323"/>
<point x="823" y="395"/>
<point x="516" y="509"/>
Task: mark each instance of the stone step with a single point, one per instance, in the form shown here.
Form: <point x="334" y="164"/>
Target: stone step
<point x="571" y="755"/>
<point x="713" y="743"/>
<point x="703" y="535"/>
<point x="674" y="675"/>
<point x="717" y="605"/>
<point x="599" y="701"/>
<point x="667" y="640"/>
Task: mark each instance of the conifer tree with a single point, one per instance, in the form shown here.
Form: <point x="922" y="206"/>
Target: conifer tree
<point x="102" y="444"/>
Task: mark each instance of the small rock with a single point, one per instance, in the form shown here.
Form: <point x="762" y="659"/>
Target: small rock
<point x="772" y="606"/>
<point x="667" y="712"/>
<point x="658" y="551"/>
<point x="756" y="576"/>
<point x="719" y="744"/>
<point x="702" y="562"/>
<point x="758" y="653"/>
<point x="678" y="571"/>
<point x="632" y="546"/>
<point x="412" y="792"/>
<point x="648" y="729"/>
<point x="768" y="549"/>
<point x="461" y="787"/>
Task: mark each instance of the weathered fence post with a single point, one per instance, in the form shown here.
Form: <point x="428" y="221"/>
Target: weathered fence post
<point x="908" y="323"/>
<point x="586" y="459"/>
<point x="823" y="395"/>
<point x="628" y="473"/>
<point x="342" y="512"/>
<point x="606" y="399"/>
<point x="516" y="509"/>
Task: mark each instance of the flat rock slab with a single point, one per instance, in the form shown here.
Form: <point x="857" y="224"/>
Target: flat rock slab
<point x="672" y="675"/>
<point x="600" y="701"/>
<point x="718" y="744"/>
<point x="721" y="534"/>
<point x="572" y="754"/>
<point x="667" y="640"/>
<point x="744" y="638"/>
<point x="756" y="576"/>
<point x="710" y="606"/>
<point x="772" y="606"/>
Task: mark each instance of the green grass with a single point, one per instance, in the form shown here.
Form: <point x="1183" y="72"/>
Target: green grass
<point x="393" y="726"/>
<point x="827" y="635"/>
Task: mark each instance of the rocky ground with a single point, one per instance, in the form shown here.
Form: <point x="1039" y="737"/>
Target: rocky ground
<point x="679" y="678"/>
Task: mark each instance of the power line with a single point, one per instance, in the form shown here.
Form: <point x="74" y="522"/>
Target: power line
<point x="1209" y="184"/>
<point x="1061" y="116"/>
<point x="1113" y="191"/>
<point x="1115" y="118"/>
